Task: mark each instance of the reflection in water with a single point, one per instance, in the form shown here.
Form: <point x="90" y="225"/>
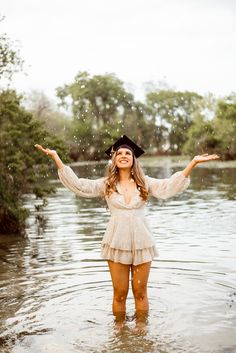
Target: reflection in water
<point x="56" y="292"/>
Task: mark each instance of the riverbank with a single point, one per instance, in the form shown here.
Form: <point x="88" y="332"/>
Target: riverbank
<point x="160" y="161"/>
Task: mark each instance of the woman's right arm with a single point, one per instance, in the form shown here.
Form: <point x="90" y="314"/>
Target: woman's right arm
<point x="80" y="186"/>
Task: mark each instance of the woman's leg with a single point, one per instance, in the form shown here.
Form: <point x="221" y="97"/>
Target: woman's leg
<point x="140" y="275"/>
<point x="120" y="280"/>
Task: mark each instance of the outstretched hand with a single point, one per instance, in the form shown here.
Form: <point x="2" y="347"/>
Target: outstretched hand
<point x="47" y="151"/>
<point x="205" y="158"/>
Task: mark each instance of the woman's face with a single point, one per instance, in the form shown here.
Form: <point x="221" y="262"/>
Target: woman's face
<point x="124" y="158"/>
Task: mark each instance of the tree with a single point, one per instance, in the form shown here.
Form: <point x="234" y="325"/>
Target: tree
<point x="215" y="135"/>
<point x="225" y="127"/>
<point x="134" y="124"/>
<point x="201" y="137"/>
<point x="10" y="61"/>
<point x="22" y="169"/>
<point x="100" y="105"/>
<point x="100" y="97"/>
<point x="45" y="110"/>
<point x="172" y="112"/>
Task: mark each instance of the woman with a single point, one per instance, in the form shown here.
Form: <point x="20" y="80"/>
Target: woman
<point x="128" y="244"/>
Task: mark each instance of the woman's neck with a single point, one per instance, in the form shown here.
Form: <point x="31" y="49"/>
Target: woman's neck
<point x="125" y="175"/>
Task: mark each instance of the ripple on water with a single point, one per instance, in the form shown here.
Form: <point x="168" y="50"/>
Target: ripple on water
<point x="56" y="292"/>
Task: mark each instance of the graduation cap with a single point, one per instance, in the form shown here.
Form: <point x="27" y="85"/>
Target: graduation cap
<point x="125" y="142"/>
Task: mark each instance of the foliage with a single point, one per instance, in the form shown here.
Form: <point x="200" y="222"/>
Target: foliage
<point x="10" y="61"/>
<point x="22" y="168"/>
<point x="170" y="122"/>
<point x="200" y="137"/>
<point x="102" y="110"/>
<point x="225" y="127"/>
<point x="99" y="97"/>
<point x="173" y="113"/>
<point x="45" y="110"/>
<point x="217" y="134"/>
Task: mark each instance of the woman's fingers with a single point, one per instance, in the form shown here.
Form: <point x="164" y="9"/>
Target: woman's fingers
<point x="51" y="153"/>
<point x="213" y="156"/>
<point x="206" y="157"/>
<point x="210" y="155"/>
<point x="41" y="148"/>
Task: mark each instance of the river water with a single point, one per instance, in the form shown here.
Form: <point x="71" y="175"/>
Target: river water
<point x="56" y="292"/>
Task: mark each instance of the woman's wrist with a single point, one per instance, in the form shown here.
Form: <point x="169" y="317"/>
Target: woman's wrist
<point x="55" y="156"/>
<point x="194" y="162"/>
<point x="189" y="168"/>
<point x="58" y="161"/>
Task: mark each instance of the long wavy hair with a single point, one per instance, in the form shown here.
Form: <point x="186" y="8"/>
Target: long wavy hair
<point x="113" y="177"/>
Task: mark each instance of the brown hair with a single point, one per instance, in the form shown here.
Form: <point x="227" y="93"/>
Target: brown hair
<point x="137" y="174"/>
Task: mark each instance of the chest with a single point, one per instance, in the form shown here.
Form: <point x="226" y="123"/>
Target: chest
<point x="128" y="191"/>
<point x="120" y="200"/>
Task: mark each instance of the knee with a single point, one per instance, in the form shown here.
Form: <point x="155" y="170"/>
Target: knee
<point x="140" y="293"/>
<point x="120" y="295"/>
<point x="140" y="296"/>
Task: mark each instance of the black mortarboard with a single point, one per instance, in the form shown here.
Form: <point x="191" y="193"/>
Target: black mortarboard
<point x="124" y="141"/>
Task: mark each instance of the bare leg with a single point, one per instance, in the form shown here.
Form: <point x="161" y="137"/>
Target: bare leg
<point x="140" y="276"/>
<point x="120" y="281"/>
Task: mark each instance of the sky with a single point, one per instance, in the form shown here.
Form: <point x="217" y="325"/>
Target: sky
<point x="187" y="44"/>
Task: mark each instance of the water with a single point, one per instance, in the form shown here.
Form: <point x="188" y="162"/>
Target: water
<point x="56" y="292"/>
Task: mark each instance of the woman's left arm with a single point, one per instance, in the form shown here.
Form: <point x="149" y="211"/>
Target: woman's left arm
<point x="178" y="182"/>
<point x="199" y="159"/>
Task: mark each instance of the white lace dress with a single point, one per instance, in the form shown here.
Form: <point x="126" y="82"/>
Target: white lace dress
<point x="128" y="238"/>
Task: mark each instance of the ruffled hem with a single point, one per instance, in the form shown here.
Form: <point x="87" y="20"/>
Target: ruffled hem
<point x="128" y="257"/>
